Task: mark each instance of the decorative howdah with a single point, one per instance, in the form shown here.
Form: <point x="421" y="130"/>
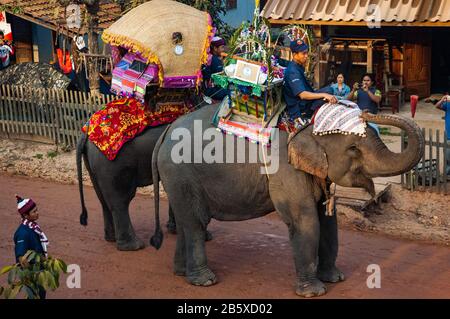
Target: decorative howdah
<point x="173" y="36"/>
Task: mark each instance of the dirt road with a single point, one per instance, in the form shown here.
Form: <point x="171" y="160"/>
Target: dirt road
<point x="252" y="259"/>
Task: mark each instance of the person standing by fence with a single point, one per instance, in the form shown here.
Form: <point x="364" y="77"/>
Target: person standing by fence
<point x="444" y="105"/>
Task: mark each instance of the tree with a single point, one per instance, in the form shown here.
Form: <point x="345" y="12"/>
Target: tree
<point x="34" y="271"/>
<point x="216" y="8"/>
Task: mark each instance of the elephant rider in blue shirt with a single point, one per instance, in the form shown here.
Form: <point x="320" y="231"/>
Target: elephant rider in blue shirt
<point x="301" y="99"/>
<point x="444" y="105"/>
<point x="217" y="48"/>
<point x="367" y="96"/>
<point x="29" y="235"/>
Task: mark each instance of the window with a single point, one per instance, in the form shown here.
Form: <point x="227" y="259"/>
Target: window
<point x="231" y="4"/>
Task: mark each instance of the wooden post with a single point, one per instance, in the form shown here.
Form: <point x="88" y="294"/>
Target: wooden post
<point x="369" y="56"/>
<point x="438" y="166"/>
<point x="430" y="156"/>
<point x="2" y="113"/>
<point x="445" y="161"/>
<point x="423" y="161"/>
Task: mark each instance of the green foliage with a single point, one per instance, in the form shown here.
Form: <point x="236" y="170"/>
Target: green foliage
<point x="52" y="154"/>
<point x="215" y="8"/>
<point x="14" y="8"/>
<point x="27" y="277"/>
<point x="38" y="156"/>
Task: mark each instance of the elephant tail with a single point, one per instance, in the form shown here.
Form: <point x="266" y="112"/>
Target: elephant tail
<point x="157" y="238"/>
<point x="81" y="152"/>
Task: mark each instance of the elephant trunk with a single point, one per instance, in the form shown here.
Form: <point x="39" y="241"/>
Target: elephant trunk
<point x="387" y="163"/>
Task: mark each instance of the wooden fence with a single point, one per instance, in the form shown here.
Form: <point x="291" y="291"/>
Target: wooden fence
<point x="432" y="173"/>
<point x="55" y="115"/>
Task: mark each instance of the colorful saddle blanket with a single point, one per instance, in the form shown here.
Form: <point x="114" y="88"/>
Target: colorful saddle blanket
<point x="121" y="120"/>
<point x="339" y="118"/>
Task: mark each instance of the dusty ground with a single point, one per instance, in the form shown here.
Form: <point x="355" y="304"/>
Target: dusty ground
<point x="252" y="259"/>
<point x="413" y="215"/>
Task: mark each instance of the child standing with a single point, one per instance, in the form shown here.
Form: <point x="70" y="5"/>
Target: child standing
<point x="29" y="235"/>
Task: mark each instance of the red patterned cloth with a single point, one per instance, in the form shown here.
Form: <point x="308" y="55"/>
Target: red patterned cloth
<point x="121" y="120"/>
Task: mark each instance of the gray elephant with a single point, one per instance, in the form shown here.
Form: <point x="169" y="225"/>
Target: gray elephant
<point x="115" y="184"/>
<point x="230" y="192"/>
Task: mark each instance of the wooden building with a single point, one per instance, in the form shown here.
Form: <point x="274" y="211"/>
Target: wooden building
<point x="35" y="28"/>
<point x="406" y="43"/>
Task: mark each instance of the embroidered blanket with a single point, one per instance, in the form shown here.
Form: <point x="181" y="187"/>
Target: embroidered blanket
<point x="338" y="118"/>
<point x="255" y="133"/>
<point x="121" y="120"/>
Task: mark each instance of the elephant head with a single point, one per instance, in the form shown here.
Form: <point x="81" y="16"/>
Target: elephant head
<point x="352" y="161"/>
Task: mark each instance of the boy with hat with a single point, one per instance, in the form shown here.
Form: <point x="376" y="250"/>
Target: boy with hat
<point x="29" y="235"/>
<point x="301" y="99"/>
<point x="217" y="48"/>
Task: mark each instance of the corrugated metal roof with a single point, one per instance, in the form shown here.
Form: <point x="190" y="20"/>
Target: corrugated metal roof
<point x="44" y="12"/>
<point x="390" y="11"/>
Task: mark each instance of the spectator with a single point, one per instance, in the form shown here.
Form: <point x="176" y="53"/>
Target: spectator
<point x="444" y="105"/>
<point x="6" y="50"/>
<point x="340" y="89"/>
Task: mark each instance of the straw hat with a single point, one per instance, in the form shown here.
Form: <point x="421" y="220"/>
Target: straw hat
<point x="151" y="28"/>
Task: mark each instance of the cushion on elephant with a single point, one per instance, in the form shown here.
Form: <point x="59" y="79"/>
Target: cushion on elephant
<point x="339" y="118"/>
<point x="121" y="120"/>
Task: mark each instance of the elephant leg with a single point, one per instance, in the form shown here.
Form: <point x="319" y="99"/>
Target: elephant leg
<point x="171" y="225"/>
<point x="110" y="234"/>
<point x="126" y="238"/>
<point x="197" y="270"/>
<point x="303" y="224"/>
<point x="179" y="261"/>
<point x="328" y="247"/>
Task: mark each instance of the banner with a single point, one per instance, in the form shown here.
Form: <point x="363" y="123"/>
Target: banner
<point x="5" y="27"/>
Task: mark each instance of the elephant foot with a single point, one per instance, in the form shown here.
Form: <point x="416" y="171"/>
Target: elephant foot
<point x="332" y="274"/>
<point x="203" y="278"/>
<point x="135" y="244"/>
<point x="110" y="234"/>
<point x="171" y="228"/>
<point x="313" y="288"/>
<point x="208" y="236"/>
<point x="110" y="237"/>
<point x="179" y="270"/>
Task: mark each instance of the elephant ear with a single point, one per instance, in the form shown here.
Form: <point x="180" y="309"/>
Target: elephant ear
<point x="305" y="154"/>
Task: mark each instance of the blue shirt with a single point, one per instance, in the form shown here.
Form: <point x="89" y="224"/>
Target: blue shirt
<point x="340" y="94"/>
<point x="26" y="239"/>
<point x="446" y="108"/>
<point x="295" y="83"/>
<point x="216" y="66"/>
<point x="365" y="102"/>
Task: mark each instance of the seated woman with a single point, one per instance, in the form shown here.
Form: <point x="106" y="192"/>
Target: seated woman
<point x="367" y="96"/>
<point x="340" y="89"/>
<point x="216" y="66"/>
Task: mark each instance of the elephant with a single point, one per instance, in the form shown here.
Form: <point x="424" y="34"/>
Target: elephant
<point x="203" y="190"/>
<point x="115" y="184"/>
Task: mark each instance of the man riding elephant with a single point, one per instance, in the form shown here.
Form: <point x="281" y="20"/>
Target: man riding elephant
<point x="301" y="99"/>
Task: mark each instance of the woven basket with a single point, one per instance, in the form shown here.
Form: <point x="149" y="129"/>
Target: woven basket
<point x="149" y="27"/>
